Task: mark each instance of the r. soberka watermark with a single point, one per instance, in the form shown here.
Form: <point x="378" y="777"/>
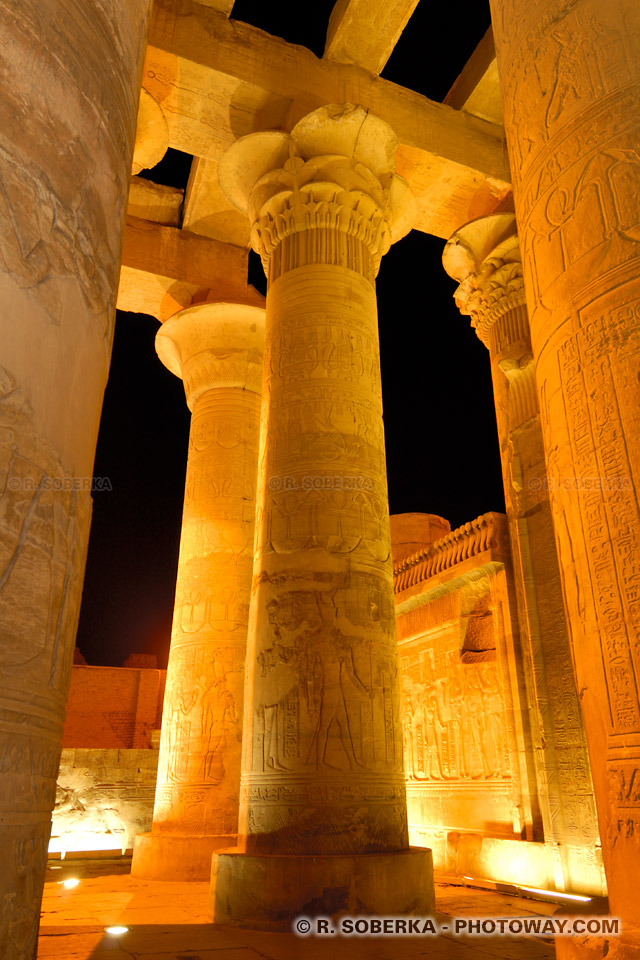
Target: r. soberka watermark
<point x="536" y="926"/>
<point x="61" y="484"/>
<point x="551" y="484"/>
<point x="321" y="482"/>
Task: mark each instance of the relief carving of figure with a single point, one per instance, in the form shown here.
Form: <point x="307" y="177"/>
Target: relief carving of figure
<point x="314" y="678"/>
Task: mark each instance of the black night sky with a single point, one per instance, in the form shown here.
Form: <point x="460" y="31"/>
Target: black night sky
<point x="442" y="449"/>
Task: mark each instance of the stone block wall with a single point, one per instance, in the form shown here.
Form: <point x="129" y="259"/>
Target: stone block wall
<point x="113" y="707"/>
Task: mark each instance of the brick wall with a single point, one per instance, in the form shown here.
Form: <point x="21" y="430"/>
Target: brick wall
<point x="113" y="707"/>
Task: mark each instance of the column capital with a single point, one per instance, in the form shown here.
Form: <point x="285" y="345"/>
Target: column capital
<point x="214" y="345"/>
<point x="335" y="170"/>
<point x="484" y="257"/>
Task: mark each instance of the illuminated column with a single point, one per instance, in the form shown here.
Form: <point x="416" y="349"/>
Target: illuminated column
<point x="323" y="807"/>
<point x="485" y="256"/>
<point x="69" y="93"/>
<point x="216" y="348"/>
<point x="571" y="86"/>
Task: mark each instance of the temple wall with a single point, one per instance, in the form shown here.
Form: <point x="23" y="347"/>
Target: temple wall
<point x="458" y="763"/>
<point x="472" y="793"/>
<point x="113" y="707"/>
<point x="104" y="798"/>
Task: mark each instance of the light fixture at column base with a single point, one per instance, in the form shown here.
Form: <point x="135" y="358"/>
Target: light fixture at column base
<point x="158" y="856"/>
<point x="267" y="892"/>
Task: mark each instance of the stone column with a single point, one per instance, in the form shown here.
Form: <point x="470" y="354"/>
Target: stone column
<point x="217" y="350"/>
<point x="323" y="824"/>
<point x="70" y="86"/>
<point x="485" y="256"/>
<point x="571" y="86"/>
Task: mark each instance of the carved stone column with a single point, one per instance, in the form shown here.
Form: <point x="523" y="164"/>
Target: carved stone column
<point x="70" y="87"/>
<point x="323" y="808"/>
<point x="217" y="350"/>
<point x="571" y="87"/>
<point x="485" y="256"/>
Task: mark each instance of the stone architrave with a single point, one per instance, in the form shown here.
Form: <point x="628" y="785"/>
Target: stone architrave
<point x="70" y="87"/>
<point x="484" y="256"/>
<point x="323" y="818"/>
<point x="570" y="75"/>
<point x="216" y="348"/>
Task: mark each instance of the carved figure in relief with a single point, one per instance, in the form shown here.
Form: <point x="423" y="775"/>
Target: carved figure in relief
<point x="279" y="663"/>
<point x="338" y="679"/>
<point x="20" y="918"/>
<point x="205" y="704"/>
<point x="219" y="719"/>
<point x="494" y="746"/>
<point x="474" y="726"/>
<point x="408" y="713"/>
<point x="313" y="685"/>
<point x="436" y="716"/>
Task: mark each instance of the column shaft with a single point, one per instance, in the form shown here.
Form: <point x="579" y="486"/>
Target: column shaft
<point x="485" y="255"/>
<point x="571" y="85"/>
<point x="323" y="731"/>
<point x="565" y="789"/>
<point x="217" y="349"/>
<point x="70" y="87"/>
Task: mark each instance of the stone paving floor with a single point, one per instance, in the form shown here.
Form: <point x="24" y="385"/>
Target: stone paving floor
<point x="168" y="921"/>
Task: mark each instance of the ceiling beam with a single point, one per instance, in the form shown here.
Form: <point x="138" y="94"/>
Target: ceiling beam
<point x="152" y="201"/>
<point x="217" y="80"/>
<point x="364" y="32"/>
<point x="477" y="89"/>
<point x="165" y="270"/>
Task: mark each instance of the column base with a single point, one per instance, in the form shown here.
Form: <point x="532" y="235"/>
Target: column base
<point x="158" y="856"/>
<point x="623" y="947"/>
<point x="267" y="892"/>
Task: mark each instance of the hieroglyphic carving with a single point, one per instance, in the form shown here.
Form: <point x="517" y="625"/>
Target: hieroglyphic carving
<point x="571" y="78"/>
<point x="596" y="447"/>
<point x="565" y="61"/>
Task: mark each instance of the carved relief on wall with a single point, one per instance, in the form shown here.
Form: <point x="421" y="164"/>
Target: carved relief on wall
<point x="453" y="719"/>
<point x="453" y="710"/>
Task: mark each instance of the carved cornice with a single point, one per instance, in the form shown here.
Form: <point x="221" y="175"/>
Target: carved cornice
<point x="333" y="176"/>
<point x="484" y="257"/>
<point x="486" y="532"/>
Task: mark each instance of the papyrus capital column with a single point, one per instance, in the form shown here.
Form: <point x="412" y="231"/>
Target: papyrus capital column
<point x="570" y="79"/>
<point x="331" y="181"/>
<point x="484" y="256"/>
<point x="322" y="781"/>
<point x="216" y="348"/>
